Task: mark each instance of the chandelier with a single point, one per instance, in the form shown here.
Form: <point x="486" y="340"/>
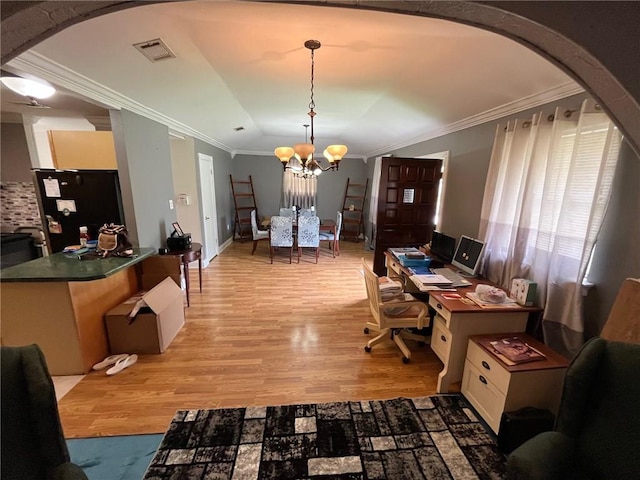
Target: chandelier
<point x="300" y="159"/>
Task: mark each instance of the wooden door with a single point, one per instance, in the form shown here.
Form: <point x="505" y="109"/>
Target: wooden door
<point x="406" y="204"/>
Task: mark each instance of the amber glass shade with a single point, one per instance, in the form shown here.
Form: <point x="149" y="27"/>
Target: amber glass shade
<point x="334" y="153"/>
<point x="284" y="153"/>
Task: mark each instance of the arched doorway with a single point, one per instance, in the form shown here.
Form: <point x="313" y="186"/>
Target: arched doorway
<point x="607" y="71"/>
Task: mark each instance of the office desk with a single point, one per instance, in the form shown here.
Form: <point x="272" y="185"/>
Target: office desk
<point x="455" y="320"/>
<point x="187" y="256"/>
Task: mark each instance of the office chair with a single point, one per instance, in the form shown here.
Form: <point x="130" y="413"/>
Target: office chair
<point x="33" y="445"/>
<point x="394" y="317"/>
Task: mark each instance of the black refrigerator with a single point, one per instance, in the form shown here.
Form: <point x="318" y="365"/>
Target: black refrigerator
<point x="69" y="199"/>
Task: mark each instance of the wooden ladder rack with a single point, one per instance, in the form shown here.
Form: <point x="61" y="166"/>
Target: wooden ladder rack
<point x="353" y="206"/>
<point x="244" y="200"/>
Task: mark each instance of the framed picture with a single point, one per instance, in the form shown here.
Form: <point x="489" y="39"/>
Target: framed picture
<point x="176" y="227"/>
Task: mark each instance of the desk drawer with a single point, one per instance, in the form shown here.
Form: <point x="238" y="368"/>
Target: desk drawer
<point x="441" y="339"/>
<point x="489" y="367"/>
<point x="440" y="309"/>
<point x="393" y="268"/>
<point x="487" y="399"/>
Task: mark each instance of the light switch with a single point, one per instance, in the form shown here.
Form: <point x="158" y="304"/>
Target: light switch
<point x="170" y="204"/>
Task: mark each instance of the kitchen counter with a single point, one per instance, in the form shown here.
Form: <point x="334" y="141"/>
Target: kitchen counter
<point x="61" y="267"/>
<point x="59" y="302"/>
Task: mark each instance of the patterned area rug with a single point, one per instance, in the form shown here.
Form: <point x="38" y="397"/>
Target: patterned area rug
<point x="436" y="437"/>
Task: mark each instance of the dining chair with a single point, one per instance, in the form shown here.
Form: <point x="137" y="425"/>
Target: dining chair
<point x="308" y="235"/>
<point x="394" y="315"/>
<point x="257" y="233"/>
<point x="307" y="212"/>
<point x="281" y="234"/>
<point x="287" y="212"/>
<point x="334" y="241"/>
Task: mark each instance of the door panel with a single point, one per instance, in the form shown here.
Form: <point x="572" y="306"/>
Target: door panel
<point x="406" y="204"/>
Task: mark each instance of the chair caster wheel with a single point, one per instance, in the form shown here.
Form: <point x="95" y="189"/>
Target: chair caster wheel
<point x="366" y="330"/>
<point x="367" y="348"/>
<point x="405" y="360"/>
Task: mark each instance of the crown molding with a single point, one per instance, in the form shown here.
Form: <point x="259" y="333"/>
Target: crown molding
<point x="56" y="73"/>
<point x="532" y="101"/>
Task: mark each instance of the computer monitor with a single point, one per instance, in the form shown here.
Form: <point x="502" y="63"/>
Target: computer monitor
<point x="443" y="246"/>
<point x="468" y="255"/>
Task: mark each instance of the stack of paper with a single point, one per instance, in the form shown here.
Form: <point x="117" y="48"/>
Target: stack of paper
<point x="433" y="279"/>
<point x="508" y="302"/>
<point x="389" y="288"/>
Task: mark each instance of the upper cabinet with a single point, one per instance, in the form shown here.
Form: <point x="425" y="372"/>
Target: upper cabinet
<point x="82" y="150"/>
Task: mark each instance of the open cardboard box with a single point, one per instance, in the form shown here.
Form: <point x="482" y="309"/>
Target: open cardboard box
<point x="147" y="322"/>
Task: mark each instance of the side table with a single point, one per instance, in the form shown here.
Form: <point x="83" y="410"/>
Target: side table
<point x="493" y="387"/>
<point x="187" y="256"/>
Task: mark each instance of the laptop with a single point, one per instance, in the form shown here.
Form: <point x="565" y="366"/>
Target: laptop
<point x="442" y="249"/>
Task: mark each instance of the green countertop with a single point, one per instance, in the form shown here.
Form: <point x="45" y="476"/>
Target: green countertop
<point x="65" y="267"/>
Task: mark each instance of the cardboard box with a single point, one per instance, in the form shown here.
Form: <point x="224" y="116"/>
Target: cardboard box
<point x="158" y="267"/>
<point x="523" y="291"/>
<point x="147" y="322"/>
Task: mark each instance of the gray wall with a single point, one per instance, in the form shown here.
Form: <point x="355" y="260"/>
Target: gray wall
<point x="266" y="173"/>
<point x="221" y="170"/>
<point x="617" y="255"/>
<point x="470" y="153"/>
<point x="144" y="165"/>
<point x="16" y="162"/>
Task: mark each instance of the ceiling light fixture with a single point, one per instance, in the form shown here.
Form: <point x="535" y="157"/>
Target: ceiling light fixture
<point x="28" y="87"/>
<point x="304" y="164"/>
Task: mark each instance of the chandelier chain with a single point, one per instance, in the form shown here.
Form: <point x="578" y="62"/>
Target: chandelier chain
<point x="312" y="103"/>
<point x="307" y="166"/>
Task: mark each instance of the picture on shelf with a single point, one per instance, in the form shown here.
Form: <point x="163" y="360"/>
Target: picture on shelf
<point x="516" y="350"/>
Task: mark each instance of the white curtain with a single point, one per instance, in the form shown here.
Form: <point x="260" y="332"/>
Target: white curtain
<point x="547" y="190"/>
<point x="373" y="201"/>
<point x="301" y="192"/>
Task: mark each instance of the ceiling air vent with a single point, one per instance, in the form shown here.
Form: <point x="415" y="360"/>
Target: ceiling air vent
<point x="155" y="50"/>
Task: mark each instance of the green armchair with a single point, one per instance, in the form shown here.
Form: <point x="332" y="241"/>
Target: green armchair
<point x="33" y="445"/>
<point x="597" y="432"/>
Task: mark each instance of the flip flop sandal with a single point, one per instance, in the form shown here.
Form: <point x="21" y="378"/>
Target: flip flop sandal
<point x="110" y="360"/>
<point x="122" y="364"/>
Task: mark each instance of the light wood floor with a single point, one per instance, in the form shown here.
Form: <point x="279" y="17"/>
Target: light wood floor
<point x="258" y="334"/>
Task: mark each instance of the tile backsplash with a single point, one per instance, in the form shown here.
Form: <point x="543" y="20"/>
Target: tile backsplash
<point x="19" y="205"/>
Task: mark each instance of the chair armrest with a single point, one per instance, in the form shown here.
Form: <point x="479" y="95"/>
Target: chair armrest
<point x="409" y="301"/>
<point x="68" y="471"/>
<point x="546" y="456"/>
<point x="398" y="278"/>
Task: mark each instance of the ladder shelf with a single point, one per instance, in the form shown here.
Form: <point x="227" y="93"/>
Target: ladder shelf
<point x="353" y="205"/>
<point x="244" y="200"/>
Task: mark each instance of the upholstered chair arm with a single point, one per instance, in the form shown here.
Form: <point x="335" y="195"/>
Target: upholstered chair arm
<point x="579" y="383"/>
<point x="68" y="471"/>
<point x="43" y="406"/>
<point x="547" y="456"/>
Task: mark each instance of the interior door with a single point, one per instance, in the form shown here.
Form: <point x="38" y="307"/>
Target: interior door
<point x="209" y="214"/>
<point x="406" y="204"/>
